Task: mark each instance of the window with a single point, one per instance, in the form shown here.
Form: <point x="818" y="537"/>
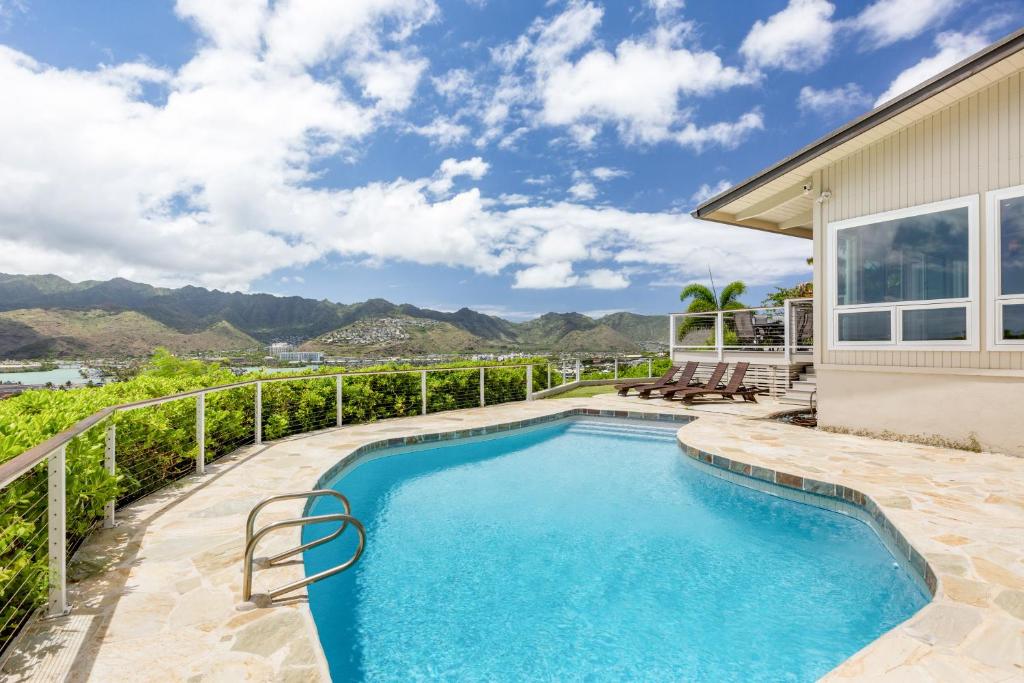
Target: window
<point x="871" y="326"/>
<point x="906" y="278"/>
<point x="1006" y="268"/>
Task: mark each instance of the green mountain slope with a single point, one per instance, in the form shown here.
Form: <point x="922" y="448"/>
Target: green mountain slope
<point x="194" y="318"/>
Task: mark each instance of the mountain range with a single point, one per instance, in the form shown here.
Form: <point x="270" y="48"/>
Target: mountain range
<point x="48" y="316"/>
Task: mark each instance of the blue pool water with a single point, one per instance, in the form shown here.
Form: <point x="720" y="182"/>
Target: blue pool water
<point x="592" y="551"/>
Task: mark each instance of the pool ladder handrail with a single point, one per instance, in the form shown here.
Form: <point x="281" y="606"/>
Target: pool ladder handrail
<point x="252" y="538"/>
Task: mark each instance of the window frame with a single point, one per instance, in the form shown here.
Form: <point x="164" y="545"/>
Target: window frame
<point x="896" y="343"/>
<point x="995" y="301"/>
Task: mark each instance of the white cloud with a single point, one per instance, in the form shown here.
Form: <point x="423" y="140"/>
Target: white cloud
<point x="604" y="174"/>
<point x="835" y="102"/>
<point x="640" y="88"/>
<point x="664" y="9"/>
<point x="453" y="83"/>
<point x="706" y="192"/>
<point x="605" y="278"/>
<point x="211" y="182"/>
<point x="443" y="131"/>
<point x="887" y="21"/>
<point x="727" y="134"/>
<point x="513" y="199"/>
<point x="583" y="190"/>
<point x="952" y="48"/>
<point x="475" y="168"/>
<point x="556" y="275"/>
<point x="799" y="38"/>
<point x="391" y="79"/>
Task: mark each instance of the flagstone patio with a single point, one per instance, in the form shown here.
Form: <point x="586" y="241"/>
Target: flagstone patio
<point x="156" y="598"/>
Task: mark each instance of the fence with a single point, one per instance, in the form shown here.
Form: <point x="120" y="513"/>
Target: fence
<point x="781" y="331"/>
<point x="54" y="494"/>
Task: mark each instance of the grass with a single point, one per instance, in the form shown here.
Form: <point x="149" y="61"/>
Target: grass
<point x="586" y="392"/>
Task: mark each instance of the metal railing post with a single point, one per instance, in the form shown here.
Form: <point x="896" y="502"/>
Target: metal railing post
<point x="201" y="433"/>
<point x="616" y="371"/>
<point x="483" y="400"/>
<point x="259" y="413"/>
<point x="529" y="382"/>
<point x="650" y="368"/>
<point x="672" y="334"/>
<point x="786" y="332"/>
<point x="720" y="335"/>
<point x="579" y="368"/>
<point x="57" y="532"/>
<point x="338" y="397"/>
<point x="110" y="463"/>
<point x="423" y="391"/>
<point x="549" y="376"/>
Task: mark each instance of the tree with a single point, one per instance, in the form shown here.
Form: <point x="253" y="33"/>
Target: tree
<point x="703" y="299"/>
<point x="803" y="290"/>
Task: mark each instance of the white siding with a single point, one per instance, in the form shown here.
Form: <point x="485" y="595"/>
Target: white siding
<point x="970" y="147"/>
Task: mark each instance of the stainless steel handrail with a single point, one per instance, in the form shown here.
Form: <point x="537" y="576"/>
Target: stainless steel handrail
<point x="250" y="521"/>
<point x="23" y="462"/>
<point x="250" y="548"/>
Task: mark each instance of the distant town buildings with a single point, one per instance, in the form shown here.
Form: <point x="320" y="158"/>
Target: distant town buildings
<point x="279" y="347"/>
<point x="301" y="356"/>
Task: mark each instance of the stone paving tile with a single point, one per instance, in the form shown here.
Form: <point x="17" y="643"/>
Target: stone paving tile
<point x="156" y="598"/>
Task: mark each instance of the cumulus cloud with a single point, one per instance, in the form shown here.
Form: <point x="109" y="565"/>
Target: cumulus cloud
<point x="214" y="180"/>
<point x="706" y="191"/>
<point x="835" y="102"/>
<point x="583" y="190"/>
<point x="888" y="21"/>
<point x="951" y="47"/>
<point x="798" y="38"/>
<point x="475" y="168"/>
<point x="643" y="88"/>
<point x="604" y="174"/>
<point x="443" y="131"/>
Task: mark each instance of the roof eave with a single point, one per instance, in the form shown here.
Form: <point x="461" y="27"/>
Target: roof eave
<point x="981" y="60"/>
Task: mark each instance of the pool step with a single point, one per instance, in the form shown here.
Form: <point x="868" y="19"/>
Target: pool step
<point x="616" y="429"/>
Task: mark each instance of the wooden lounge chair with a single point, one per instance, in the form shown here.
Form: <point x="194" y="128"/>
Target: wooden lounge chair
<point x="624" y="387"/>
<point x="731" y="390"/>
<point x="684" y="380"/>
<point x="714" y="381"/>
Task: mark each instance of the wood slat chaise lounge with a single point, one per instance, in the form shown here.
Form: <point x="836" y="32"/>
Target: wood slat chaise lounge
<point x="624" y="387"/>
<point x="714" y="381"/>
<point x="684" y="380"/>
<point x="731" y="390"/>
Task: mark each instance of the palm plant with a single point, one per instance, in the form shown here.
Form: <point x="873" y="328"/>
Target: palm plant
<point x="705" y="299"/>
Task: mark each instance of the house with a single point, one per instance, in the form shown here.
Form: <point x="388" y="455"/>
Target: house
<point x="916" y="212"/>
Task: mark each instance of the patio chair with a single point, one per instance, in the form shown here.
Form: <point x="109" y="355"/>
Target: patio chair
<point x="713" y="381"/>
<point x="731" y="390"/>
<point x="624" y="387"/>
<point x="684" y="380"/>
<point x="744" y="321"/>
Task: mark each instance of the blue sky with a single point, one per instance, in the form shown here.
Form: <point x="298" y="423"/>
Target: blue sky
<point x="515" y="157"/>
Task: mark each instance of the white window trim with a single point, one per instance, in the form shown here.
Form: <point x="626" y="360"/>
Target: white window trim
<point x="994" y="300"/>
<point x="970" y="302"/>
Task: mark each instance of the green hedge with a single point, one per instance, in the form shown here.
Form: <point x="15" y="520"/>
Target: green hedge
<point x="157" y="444"/>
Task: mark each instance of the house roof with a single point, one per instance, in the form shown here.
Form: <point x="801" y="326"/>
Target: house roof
<point x="780" y="198"/>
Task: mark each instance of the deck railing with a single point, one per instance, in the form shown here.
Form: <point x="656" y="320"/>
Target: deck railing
<point x="55" y="493"/>
<point x="781" y="331"/>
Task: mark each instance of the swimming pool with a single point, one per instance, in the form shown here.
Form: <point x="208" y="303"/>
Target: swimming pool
<point x="590" y="549"/>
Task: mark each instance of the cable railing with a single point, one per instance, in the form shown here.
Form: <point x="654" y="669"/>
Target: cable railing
<point x="780" y="330"/>
<point x="56" y="493"/>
